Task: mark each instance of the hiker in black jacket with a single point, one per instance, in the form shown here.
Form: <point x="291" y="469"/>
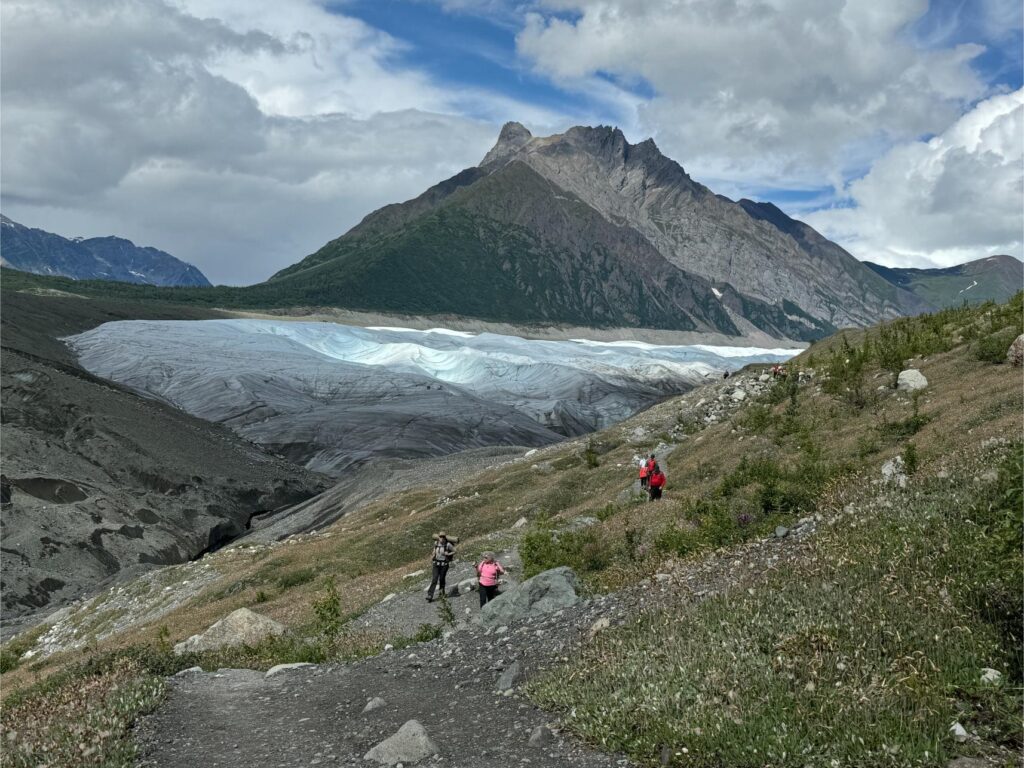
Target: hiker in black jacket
<point x="441" y="558"/>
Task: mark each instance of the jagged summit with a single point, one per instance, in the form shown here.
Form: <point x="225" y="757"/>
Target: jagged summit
<point x="513" y="137"/>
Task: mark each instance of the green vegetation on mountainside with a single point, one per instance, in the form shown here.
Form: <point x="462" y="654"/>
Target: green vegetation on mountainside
<point x="857" y="615"/>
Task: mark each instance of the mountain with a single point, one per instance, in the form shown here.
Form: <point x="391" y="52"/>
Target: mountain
<point x="995" y="278"/>
<point x="586" y="228"/>
<point x="95" y="258"/>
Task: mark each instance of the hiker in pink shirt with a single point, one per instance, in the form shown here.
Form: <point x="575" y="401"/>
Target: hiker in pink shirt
<point x="488" y="571"/>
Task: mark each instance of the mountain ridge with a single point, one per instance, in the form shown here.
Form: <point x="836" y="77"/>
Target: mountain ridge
<point x="991" y="278"/>
<point x="95" y="258"/>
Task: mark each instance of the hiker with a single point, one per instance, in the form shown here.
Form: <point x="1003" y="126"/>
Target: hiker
<point x="657" y="482"/>
<point x="651" y="464"/>
<point x="441" y="558"/>
<point x="488" y="571"/>
<point x="645" y="472"/>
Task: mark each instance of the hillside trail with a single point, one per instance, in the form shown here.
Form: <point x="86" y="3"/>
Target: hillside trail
<point x="464" y="688"/>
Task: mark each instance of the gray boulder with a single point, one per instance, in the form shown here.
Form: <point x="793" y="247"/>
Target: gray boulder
<point x="911" y="380"/>
<point x="375" y="703"/>
<point x="894" y="473"/>
<point x="277" y="669"/>
<point x="544" y="593"/>
<point x="241" y="627"/>
<point x="1015" y="354"/>
<point x="409" y="744"/>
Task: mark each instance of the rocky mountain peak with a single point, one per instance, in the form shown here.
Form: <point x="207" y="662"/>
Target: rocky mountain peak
<point x="513" y="137"/>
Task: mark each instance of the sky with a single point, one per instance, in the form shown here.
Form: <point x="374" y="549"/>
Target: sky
<point x="242" y="135"/>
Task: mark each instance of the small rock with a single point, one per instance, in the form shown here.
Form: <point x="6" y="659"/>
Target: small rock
<point x="739" y="396"/>
<point x="190" y="671"/>
<point x="409" y="744"/>
<point x="763" y="377"/>
<point x="389" y="596"/>
<point x="414" y="574"/>
<point x="599" y="625"/>
<point x="991" y="676"/>
<point x="389" y="647"/>
<point x="959" y="732"/>
<point x="530" y="453"/>
<point x="541" y="736"/>
<point x="521" y="522"/>
<point x="893" y="473"/>
<point x="279" y="668"/>
<point x="375" y="703"/>
<point x="508" y="679"/>
<point x="911" y="380"/>
<point x="781" y="532"/>
<point x="661" y="578"/>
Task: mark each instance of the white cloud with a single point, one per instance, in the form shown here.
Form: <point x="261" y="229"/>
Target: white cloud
<point x="238" y="135"/>
<point x="956" y="197"/>
<point x="763" y="91"/>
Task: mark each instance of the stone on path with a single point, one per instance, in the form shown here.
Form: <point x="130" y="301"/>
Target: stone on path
<point x="279" y="668"/>
<point x="541" y="736"/>
<point x="544" y="593"/>
<point x="958" y="731"/>
<point x="509" y="677"/>
<point x="911" y="380"/>
<point x="241" y="627"/>
<point x="1015" y="354"/>
<point x="409" y="744"/>
<point x="375" y="703"/>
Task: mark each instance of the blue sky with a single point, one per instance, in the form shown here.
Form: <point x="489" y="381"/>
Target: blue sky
<point x="247" y="133"/>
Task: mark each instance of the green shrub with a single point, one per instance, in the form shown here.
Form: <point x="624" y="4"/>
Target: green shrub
<point x="993" y="347"/>
<point x="756" y="418"/>
<point x="296" y="578"/>
<point x="910" y="458"/>
<point x="585" y="551"/>
<point x="327" y="610"/>
<point x="590" y="456"/>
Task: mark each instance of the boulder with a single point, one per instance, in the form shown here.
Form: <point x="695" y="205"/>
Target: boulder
<point x="466" y="585"/>
<point x="958" y="732"/>
<point x="739" y="396"/>
<point x="911" y="380"/>
<point x="409" y="744"/>
<point x="544" y="593"/>
<point x="1015" y="354"/>
<point x="991" y="676"/>
<point x="241" y="627"/>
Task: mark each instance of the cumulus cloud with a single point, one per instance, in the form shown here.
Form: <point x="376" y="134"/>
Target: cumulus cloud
<point x="940" y="202"/>
<point x="771" y="92"/>
<point x="237" y="135"/>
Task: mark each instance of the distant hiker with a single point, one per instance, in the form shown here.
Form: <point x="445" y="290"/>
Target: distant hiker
<point x="645" y="472"/>
<point x="725" y="375"/>
<point x="657" y="482"/>
<point x="651" y="464"/>
<point x="441" y="558"/>
<point x="488" y="571"/>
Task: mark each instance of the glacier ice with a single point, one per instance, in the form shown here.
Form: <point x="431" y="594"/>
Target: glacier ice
<point x="330" y="396"/>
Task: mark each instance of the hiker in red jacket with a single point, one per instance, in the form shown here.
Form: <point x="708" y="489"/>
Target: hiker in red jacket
<point x="645" y="471"/>
<point x="656" y="482"/>
<point x="488" y="571"/>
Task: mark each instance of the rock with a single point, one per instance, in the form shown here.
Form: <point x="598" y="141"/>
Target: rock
<point x="892" y="472"/>
<point x="190" y="671"/>
<point x="544" y="467"/>
<point x="599" y="625"/>
<point x="959" y="732"/>
<point x="991" y="676"/>
<point x="241" y="627"/>
<point x="375" y="703"/>
<point x="739" y="396"/>
<point x="520" y="523"/>
<point x="662" y="578"/>
<point x="763" y="377"/>
<point x="781" y="532"/>
<point x="389" y="597"/>
<point x="408" y="745"/>
<point x="279" y="668"/>
<point x="544" y="593"/>
<point x="910" y="380"/>
<point x="1015" y="354"/>
<point x="414" y="574"/>
<point x="466" y="585"/>
<point x="541" y="736"/>
<point x="530" y="453"/>
<point x="510" y="677"/>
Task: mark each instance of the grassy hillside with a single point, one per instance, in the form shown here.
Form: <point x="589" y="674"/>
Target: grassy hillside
<point x="861" y="650"/>
<point x="995" y="278"/>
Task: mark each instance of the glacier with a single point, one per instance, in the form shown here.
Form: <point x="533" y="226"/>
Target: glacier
<point x="332" y="396"/>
